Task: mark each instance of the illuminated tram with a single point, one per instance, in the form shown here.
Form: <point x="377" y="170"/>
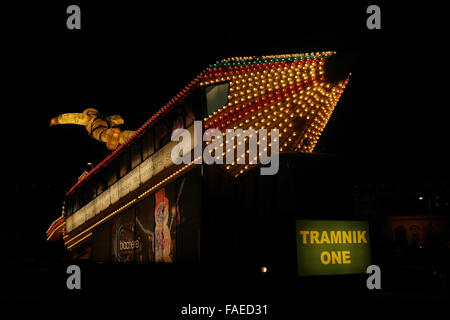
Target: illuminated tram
<point x="137" y="206"/>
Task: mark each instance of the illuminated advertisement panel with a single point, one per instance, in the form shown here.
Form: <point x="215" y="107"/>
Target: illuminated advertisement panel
<point x="164" y="227"/>
<point x="328" y="247"/>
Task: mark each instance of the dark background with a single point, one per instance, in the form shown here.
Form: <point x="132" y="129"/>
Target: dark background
<point x="130" y="59"/>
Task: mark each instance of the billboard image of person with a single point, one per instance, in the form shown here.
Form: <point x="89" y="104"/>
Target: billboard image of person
<point x="164" y="216"/>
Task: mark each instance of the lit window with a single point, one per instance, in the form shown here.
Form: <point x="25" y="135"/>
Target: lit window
<point x="216" y="97"/>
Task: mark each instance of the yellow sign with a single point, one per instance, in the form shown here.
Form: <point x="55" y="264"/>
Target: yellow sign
<point x="332" y="247"/>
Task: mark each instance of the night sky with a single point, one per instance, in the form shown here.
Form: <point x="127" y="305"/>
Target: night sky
<point x="130" y="59"/>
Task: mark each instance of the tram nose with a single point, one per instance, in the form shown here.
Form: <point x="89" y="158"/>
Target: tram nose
<point x="338" y="67"/>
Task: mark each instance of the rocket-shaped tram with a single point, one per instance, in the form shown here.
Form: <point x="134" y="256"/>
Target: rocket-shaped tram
<point x="294" y="93"/>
